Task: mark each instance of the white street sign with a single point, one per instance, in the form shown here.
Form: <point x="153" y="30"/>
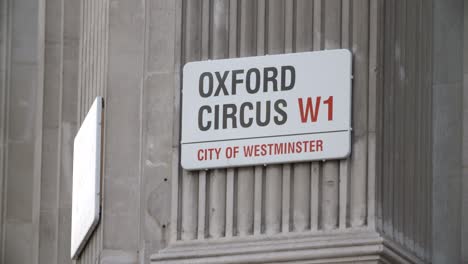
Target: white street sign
<point x="267" y="109"/>
<point x="86" y="178"/>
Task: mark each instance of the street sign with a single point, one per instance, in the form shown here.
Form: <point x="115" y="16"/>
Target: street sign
<point x="86" y="193"/>
<point x="267" y="109"/>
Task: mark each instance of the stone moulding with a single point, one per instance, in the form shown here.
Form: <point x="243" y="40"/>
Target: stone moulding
<point x="350" y="246"/>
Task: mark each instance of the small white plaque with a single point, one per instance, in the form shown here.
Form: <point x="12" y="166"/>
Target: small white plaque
<point x="86" y="194"/>
<point x="266" y="109"/>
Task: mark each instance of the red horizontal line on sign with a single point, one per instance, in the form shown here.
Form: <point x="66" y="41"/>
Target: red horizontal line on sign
<point x="298" y="134"/>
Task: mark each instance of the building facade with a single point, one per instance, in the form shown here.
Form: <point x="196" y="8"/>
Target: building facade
<point x="399" y="198"/>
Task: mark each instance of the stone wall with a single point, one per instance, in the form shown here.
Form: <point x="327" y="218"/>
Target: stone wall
<point x="56" y="56"/>
<point x="405" y="126"/>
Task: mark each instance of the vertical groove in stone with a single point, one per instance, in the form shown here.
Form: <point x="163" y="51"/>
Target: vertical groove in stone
<point x="402" y="73"/>
<point x="99" y="47"/>
<point x="289" y="16"/>
<point x="60" y="155"/>
<point x="247" y="28"/>
<point x="83" y="59"/>
<point x="92" y="55"/>
<point x="49" y="173"/>
<point x="397" y="128"/>
<point x="261" y="27"/>
<point x="230" y="174"/>
<point x="94" y="250"/>
<point x="229" y="212"/>
<point x="303" y="26"/>
<point x="220" y="49"/>
<point x="273" y="199"/>
<point x="314" y="195"/>
<point x="189" y="205"/>
<point x="220" y="29"/>
<point x="87" y="56"/>
<point x="332" y="40"/>
<point x="286" y="199"/>
<point x="245" y="202"/>
<point x="275" y="19"/>
<point x="424" y="61"/>
<point x="217" y="203"/>
<point x="426" y="183"/>
<point x="233" y="36"/>
<point x="286" y="205"/>
<point x="202" y="175"/>
<point x="105" y="52"/>
<point x="318" y="24"/>
<point x="388" y="120"/>
<point x="410" y="122"/>
<point x="95" y="53"/>
<point x="406" y="79"/>
<point x="427" y="128"/>
<point x="5" y="72"/>
<point x="176" y="186"/>
<point x="427" y="157"/>
<point x="104" y="73"/>
<point x="343" y="194"/>
<point x="344" y="164"/>
<point x="315" y="202"/>
<point x="191" y="48"/>
<point x="426" y="174"/>
<point x="418" y="221"/>
<point x="100" y="40"/>
<point x="390" y="166"/>
<point x="258" y="191"/>
<point x="400" y="162"/>
<point x="301" y="197"/>
<point x="373" y="69"/>
<point x="360" y="40"/>
<point x="205" y="30"/>
<point x="97" y="50"/>
<point x="258" y="197"/>
<point x="275" y="44"/>
<point x="92" y="68"/>
<point x="68" y="125"/>
<point x="329" y="186"/>
<point x="176" y="175"/>
<point x="381" y="101"/>
<point x="82" y="54"/>
<point x="80" y="64"/>
<point x="245" y="176"/>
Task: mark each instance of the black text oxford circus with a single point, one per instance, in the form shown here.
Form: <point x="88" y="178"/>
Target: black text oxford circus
<point x="245" y="114"/>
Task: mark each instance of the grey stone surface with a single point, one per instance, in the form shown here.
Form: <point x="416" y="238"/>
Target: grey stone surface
<point x="464" y="201"/>
<point x="35" y="141"/>
<point x="464" y="242"/>
<point x="122" y="156"/>
<point x="18" y="240"/>
<point x="448" y="41"/>
<point x="447" y="130"/>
